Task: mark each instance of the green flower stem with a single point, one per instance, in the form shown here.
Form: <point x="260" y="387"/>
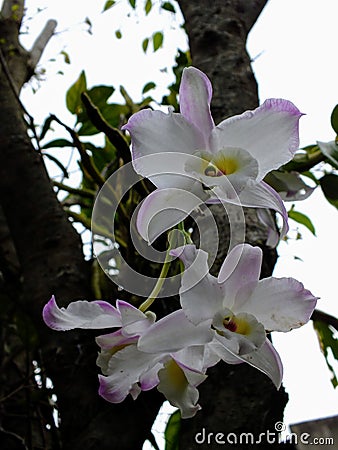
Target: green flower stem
<point x="164" y="272"/>
<point x="158" y="286"/>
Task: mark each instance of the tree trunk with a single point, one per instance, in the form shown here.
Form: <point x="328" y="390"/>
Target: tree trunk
<point x="51" y="261"/>
<point x="234" y="399"/>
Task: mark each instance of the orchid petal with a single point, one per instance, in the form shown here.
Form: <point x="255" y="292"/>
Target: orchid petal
<point x="134" y="321"/>
<point x="124" y="369"/>
<point x="280" y="304"/>
<point x="156" y="132"/>
<point x="250" y="338"/>
<point x="172" y="333"/>
<point x="163" y="209"/>
<point x="175" y="386"/>
<point x="241" y="266"/>
<point x="195" y="97"/>
<point x="270" y="133"/>
<point x="267" y="220"/>
<point x="260" y="195"/>
<point x="81" y="314"/>
<point x="201" y="295"/>
<point x="116" y="390"/>
<point x="230" y="169"/>
<point x="267" y="360"/>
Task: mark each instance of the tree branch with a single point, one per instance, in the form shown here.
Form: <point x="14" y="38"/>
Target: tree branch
<point x="40" y="43"/>
<point x="13" y="9"/>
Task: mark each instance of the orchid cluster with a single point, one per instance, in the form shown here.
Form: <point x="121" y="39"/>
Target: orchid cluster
<point x="221" y="318"/>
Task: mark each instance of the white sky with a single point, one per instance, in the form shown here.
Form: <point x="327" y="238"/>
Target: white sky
<point x="297" y="43"/>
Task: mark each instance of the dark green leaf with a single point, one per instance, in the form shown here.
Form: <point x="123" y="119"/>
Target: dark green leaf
<point x="112" y="114"/>
<point x="172" y="431"/>
<point x="302" y="219"/>
<point x="45" y="127"/>
<point x="148" y="87"/>
<point x="157" y="40"/>
<point x="327" y="341"/>
<point x="108" y="5"/>
<point x="73" y="96"/>
<point x="168" y="7"/>
<point x="57" y="143"/>
<point x="334" y="119"/>
<point x="145" y="44"/>
<point x="66" y="56"/>
<point x="132" y="3"/>
<point x="329" y="185"/>
<point x="147" y="7"/>
<point x="118" y="34"/>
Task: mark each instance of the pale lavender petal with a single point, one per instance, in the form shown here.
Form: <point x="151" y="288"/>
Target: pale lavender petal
<point x="175" y="386"/>
<point x="270" y="133"/>
<point x="156" y="132"/>
<point x="149" y="379"/>
<point x="265" y="217"/>
<point x="261" y="195"/>
<point x="124" y="371"/>
<point x="81" y="314"/>
<point x="267" y="360"/>
<point x="172" y="333"/>
<point x="115" y="391"/>
<point x="134" y="321"/>
<point x="241" y="266"/>
<point x="163" y="209"/>
<point x="110" y="340"/>
<point x="195" y="97"/>
<point x="200" y="293"/>
<point x="280" y="304"/>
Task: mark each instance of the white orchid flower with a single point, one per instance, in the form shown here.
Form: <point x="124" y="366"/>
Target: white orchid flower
<point x="127" y="369"/>
<point x="236" y="307"/>
<point x="185" y="154"/>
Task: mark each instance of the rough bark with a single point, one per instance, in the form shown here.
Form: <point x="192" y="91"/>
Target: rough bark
<point x="235" y="399"/>
<point x="51" y="261"/>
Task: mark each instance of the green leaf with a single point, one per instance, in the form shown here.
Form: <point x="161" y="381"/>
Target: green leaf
<point x="132" y="3"/>
<point x="327" y="341"/>
<point x="118" y="34"/>
<point x="145" y="44"/>
<point x="108" y="5"/>
<point x="66" y="56"/>
<point x="330" y="150"/>
<point x="334" y="119"/>
<point x="45" y="127"/>
<point x="58" y="143"/>
<point x="168" y="7"/>
<point x="329" y="185"/>
<point x="172" y="431"/>
<point x="157" y="40"/>
<point x="73" y="96"/>
<point x="302" y="219"/>
<point x="147" y="7"/>
<point x="148" y="87"/>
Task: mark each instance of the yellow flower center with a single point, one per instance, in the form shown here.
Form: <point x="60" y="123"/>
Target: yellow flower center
<point x="237" y="325"/>
<point x="176" y="375"/>
<point x="221" y="165"/>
